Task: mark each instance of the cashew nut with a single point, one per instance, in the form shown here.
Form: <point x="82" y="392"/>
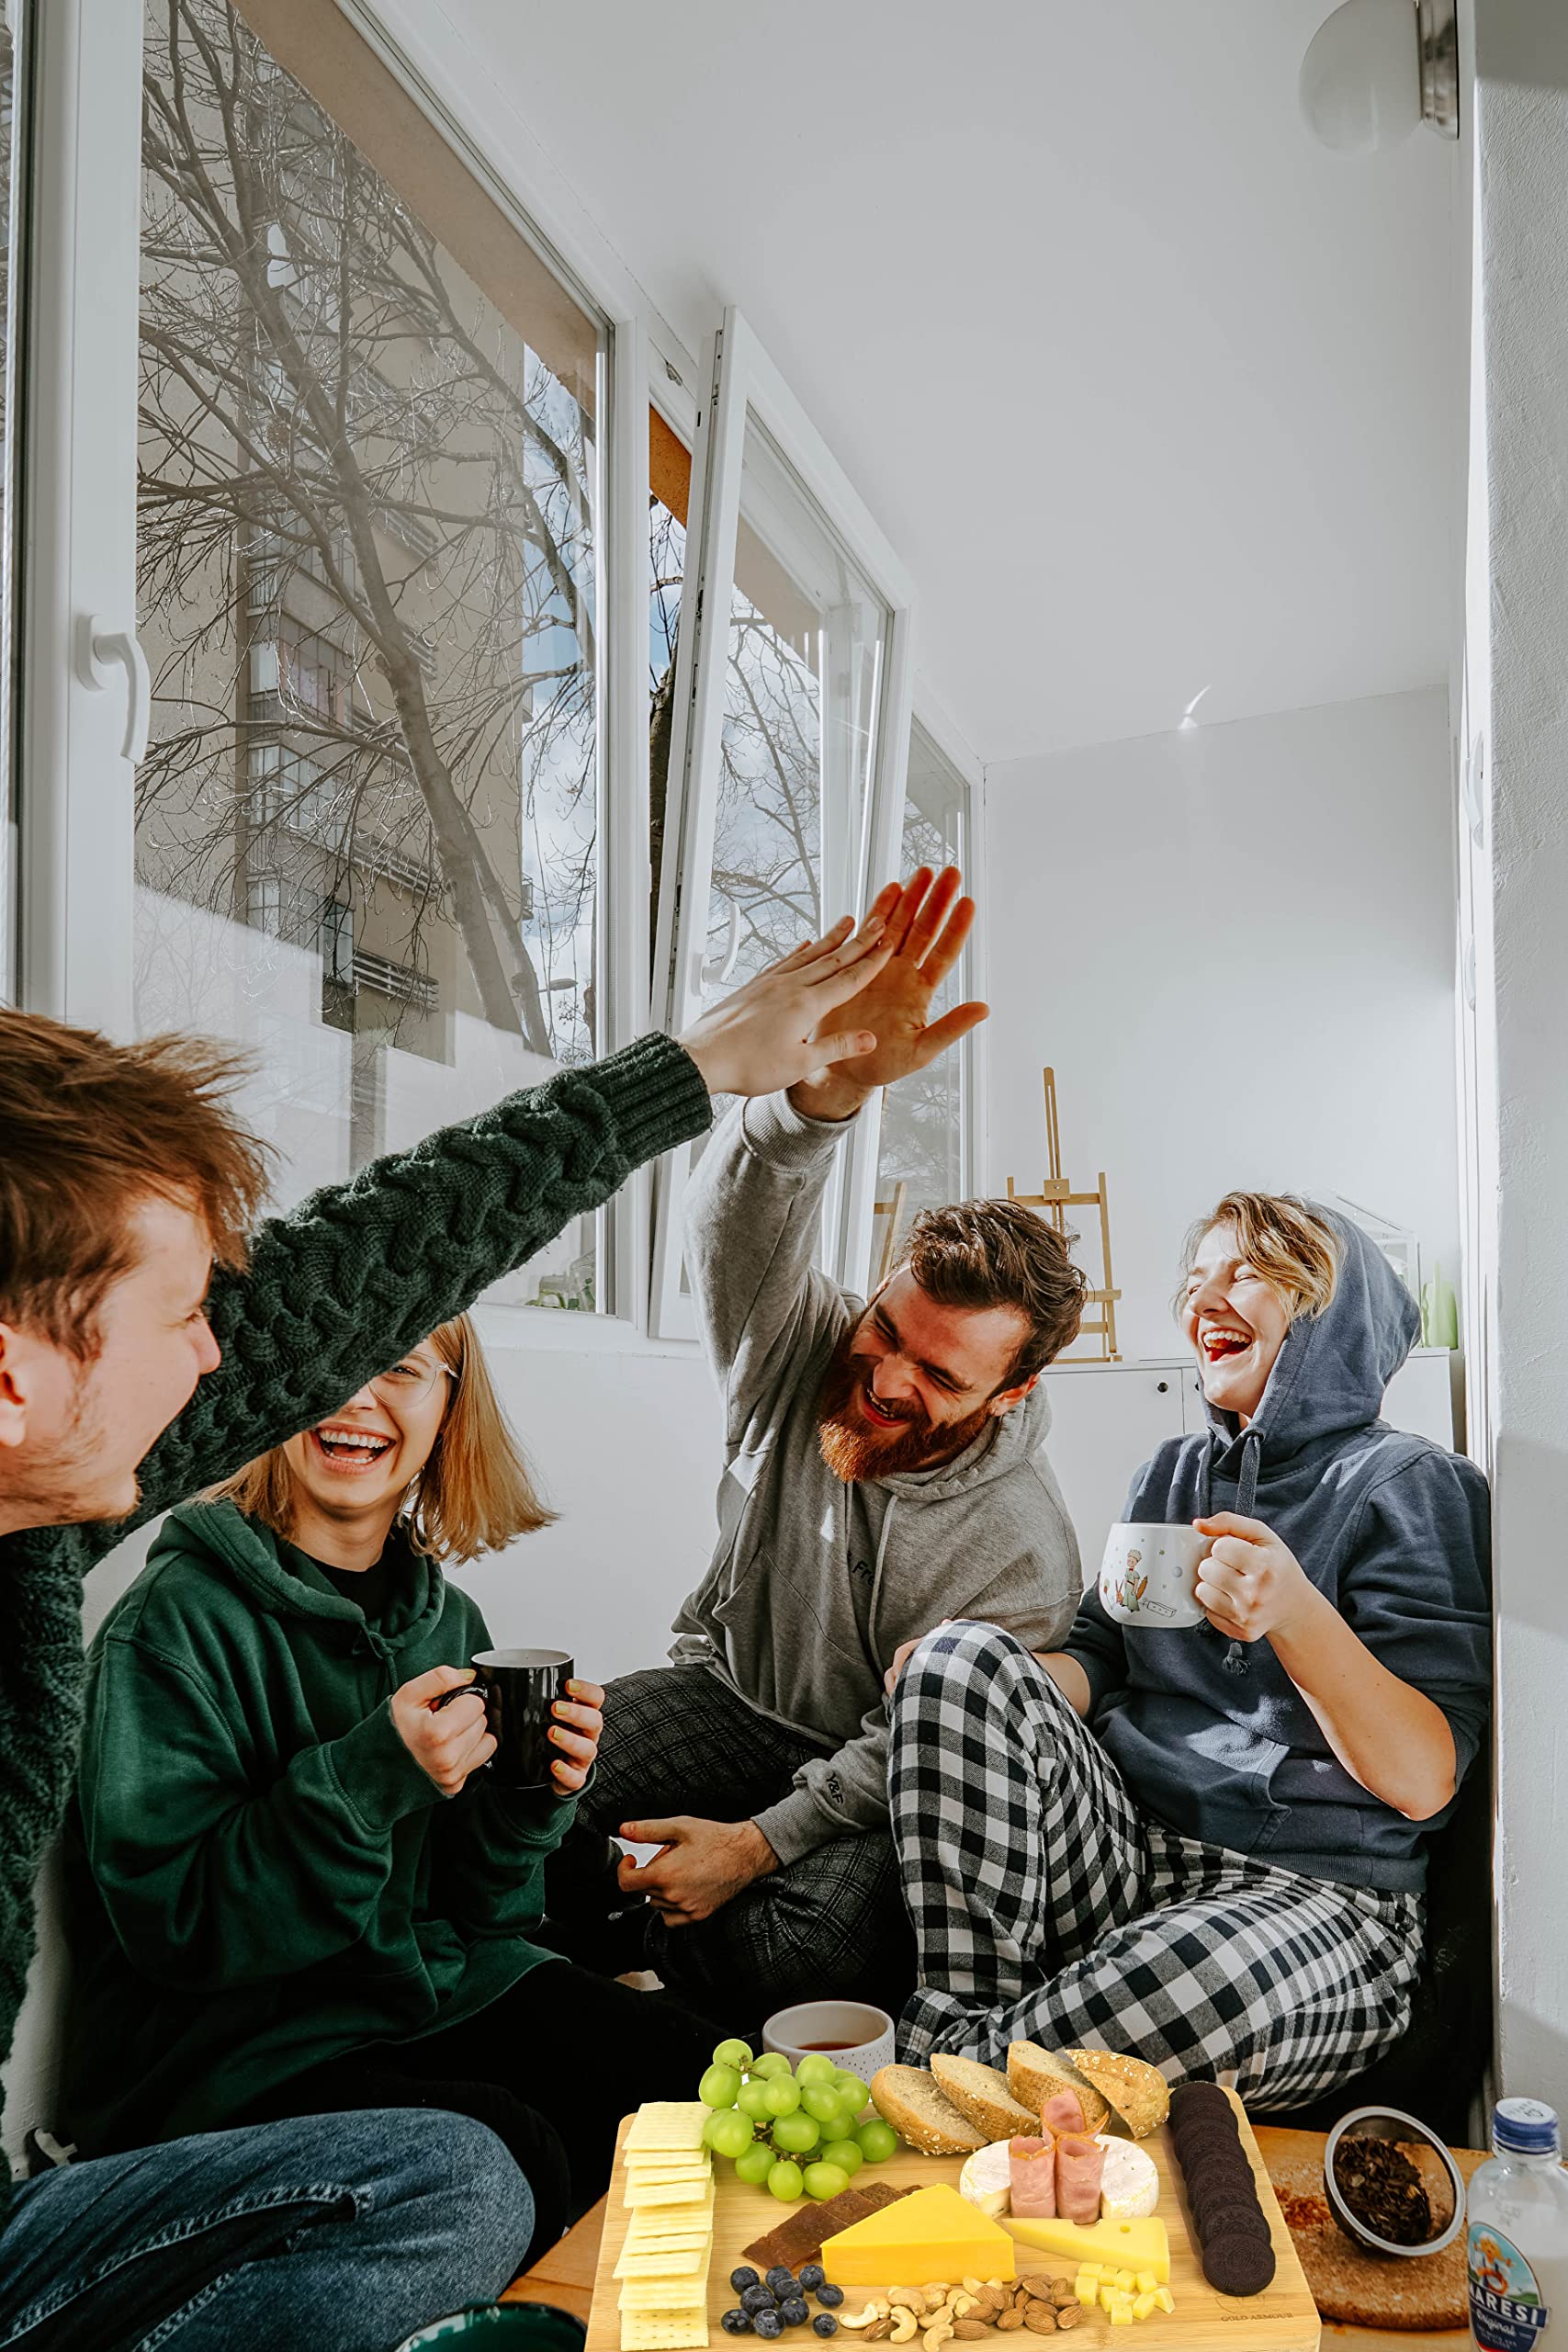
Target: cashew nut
<point x="909" y="2299"/>
<point x="903" y="2327"/>
<point x="936" y="2336"/>
<point x="859" y="2318"/>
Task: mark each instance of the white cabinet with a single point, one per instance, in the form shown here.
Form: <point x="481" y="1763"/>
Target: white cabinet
<point x="1106" y="1420"/>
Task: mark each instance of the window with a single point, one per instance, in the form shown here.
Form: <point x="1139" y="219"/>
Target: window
<point x="923" y="1155"/>
<point x="787" y="731"/>
<point x="367" y="835"/>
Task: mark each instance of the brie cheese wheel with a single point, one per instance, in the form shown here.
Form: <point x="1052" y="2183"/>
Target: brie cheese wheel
<point x="987" y="2179"/>
<point x="1129" y="2187"/>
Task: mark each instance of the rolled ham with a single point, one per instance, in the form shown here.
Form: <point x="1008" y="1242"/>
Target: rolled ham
<point x="1080" y="2162"/>
<point x="1063" y="2112"/>
<point x="1033" y="2164"/>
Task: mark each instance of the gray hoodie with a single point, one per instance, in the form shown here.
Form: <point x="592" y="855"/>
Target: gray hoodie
<point x="815" y="1583"/>
<point x="1211" y="1736"/>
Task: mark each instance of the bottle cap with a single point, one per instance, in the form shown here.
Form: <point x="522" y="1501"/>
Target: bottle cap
<point x="1525" y="2126"/>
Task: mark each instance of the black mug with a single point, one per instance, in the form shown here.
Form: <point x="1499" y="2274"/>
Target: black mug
<point x="519" y="1688"/>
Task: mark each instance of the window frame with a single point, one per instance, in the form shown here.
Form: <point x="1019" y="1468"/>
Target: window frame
<point x="739" y="379"/>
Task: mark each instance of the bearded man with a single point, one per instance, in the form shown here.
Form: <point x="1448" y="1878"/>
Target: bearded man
<point x="885" y="1470"/>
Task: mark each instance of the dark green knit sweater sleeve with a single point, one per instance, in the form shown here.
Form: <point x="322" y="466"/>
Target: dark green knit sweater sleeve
<point x="338" y="1289"/>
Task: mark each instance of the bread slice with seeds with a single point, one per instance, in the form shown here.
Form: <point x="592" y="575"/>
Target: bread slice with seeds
<point x="1035" y="2074"/>
<point x="922" y="2113"/>
<point x="982" y="2094"/>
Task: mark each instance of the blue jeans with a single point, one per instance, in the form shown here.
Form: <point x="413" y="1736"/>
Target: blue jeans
<point x="342" y="2233"/>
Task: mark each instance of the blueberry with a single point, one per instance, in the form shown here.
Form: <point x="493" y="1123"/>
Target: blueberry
<point x="780" y="2280"/>
<point x="825" y="2324"/>
<point x="793" y="2311"/>
<point x="742" y="2279"/>
<point x="811" y="2278"/>
<point x="831" y="2296"/>
<point x="758" y="2298"/>
<point x="768" y="2323"/>
<point x="736" y="2322"/>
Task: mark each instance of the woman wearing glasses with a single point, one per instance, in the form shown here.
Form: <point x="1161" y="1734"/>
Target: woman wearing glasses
<point x="288" y="1892"/>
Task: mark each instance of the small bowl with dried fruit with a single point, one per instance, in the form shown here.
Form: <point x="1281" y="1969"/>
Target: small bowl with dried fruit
<point x="1391" y="2185"/>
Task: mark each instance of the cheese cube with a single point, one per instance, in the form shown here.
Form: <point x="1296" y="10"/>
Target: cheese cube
<point x="1090" y="2269"/>
<point x="1107" y="2294"/>
<point x="1087" y="2293"/>
<point x="1142" y="2243"/>
<point x="1120" y="2314"/>
<point x="1142" y="2305"/>
<point x="935" y="2234"/>
<point x="1145" y="2282"/>
<point x="1165" y="2300"/>
<point x="1126" y="2280"/>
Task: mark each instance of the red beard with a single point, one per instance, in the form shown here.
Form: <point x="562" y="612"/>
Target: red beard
<point x="853" y="1447"/>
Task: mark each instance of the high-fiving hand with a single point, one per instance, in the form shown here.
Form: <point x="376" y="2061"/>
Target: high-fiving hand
<point x="925" y="925"/>
<point x="783" y="1025"/>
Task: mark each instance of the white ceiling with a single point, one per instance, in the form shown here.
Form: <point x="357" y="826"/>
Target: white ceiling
<point x="1151" y="393"/>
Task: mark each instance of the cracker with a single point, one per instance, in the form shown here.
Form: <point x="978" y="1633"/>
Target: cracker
<point x="660" y="2294"/>
<point x="664" y="2331"/>
<point x="668" y="2123"/>
<point x="696" y="2191"/>
<point x="665" y="2262"/>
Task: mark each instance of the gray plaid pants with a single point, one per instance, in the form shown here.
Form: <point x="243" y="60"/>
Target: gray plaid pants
<point x="679" y="1740"/>
<point x="1046" y="1908"/>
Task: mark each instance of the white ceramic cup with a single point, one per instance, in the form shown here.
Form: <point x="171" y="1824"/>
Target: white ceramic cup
<point x="1149" y="1576"/>
<point x="857" y="2037"/>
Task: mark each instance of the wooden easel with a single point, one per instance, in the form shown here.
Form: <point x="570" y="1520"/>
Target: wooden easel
<point x="1054" y="1199"/>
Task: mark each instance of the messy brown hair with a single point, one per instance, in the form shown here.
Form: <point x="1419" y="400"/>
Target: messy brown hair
<point x="475" y="1492"/>
<point x="996" y="1253"/>
<point x="1292" y="1248"/>
<point x="93" y="1129"/>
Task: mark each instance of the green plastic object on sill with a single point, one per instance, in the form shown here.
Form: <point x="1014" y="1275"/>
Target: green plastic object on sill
<point x="510" y="2327"/>
<point x="1439" y="1312"/>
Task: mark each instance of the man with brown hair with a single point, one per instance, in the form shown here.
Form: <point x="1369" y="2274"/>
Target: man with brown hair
<point x="885" y="1469"/>
<point x="124" y="1179"/>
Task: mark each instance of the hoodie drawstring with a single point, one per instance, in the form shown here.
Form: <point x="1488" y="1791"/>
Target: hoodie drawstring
<point x="1235" y="1659"/>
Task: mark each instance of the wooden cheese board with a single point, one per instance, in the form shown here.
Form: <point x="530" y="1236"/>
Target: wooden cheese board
<point x="1282" y="2319"/>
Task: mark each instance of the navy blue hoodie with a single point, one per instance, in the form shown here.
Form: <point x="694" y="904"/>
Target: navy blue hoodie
<point x="1210" y="1735"/>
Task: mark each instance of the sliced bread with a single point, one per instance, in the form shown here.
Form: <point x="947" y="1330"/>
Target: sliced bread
<point x="922" y="2113"/>
<point x="1035" y="2074"/>
<point x="1137" y="2090"/>
<point x="982" y="2094"/>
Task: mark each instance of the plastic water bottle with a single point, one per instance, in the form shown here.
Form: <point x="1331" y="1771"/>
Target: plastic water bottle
<point x="1517" y="2233"/>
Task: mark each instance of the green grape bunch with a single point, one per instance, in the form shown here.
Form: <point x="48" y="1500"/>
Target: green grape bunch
<point x="796" y="2130"/>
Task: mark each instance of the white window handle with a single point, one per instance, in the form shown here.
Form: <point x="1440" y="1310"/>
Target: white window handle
<point x="99" y="653"/>
<point x="716" y="970"/>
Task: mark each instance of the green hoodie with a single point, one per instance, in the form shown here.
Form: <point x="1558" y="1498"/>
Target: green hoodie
<point x="259" y="1876"/>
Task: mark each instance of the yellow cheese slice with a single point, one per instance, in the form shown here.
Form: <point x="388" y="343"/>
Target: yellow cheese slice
<point x="935" y="2228"/>
<point x="665" y="2331"/>
<point x="1130" y="2245"/>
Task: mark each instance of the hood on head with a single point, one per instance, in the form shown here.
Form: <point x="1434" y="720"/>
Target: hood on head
<point x="1332" y="1369"/>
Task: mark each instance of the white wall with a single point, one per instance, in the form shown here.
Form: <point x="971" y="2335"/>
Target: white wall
<point x="1516" y="667"/>
<point x="1234" y="944"/>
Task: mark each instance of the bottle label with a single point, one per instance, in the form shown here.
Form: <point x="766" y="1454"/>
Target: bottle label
<point x="1506" y="2313"/>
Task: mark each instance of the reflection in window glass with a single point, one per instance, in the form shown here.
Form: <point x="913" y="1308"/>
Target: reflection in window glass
<point x="367" y="839"/>
<point x="808" y="640"/>
<point x="922" y="1160"/>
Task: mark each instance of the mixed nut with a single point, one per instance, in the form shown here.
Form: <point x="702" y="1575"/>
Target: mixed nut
<point x="940" y="2314"/>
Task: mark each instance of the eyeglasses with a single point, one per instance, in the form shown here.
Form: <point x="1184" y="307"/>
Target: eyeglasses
<point x="409" y="1382"/>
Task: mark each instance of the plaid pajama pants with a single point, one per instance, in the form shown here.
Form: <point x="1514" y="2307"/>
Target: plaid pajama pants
<point x="679" y="1740"/>
<point x="1046" y="1908"/>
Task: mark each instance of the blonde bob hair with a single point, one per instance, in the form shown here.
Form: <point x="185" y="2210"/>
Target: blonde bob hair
<point x="1285" y="1242"/>
<point x="475" y="1492"/>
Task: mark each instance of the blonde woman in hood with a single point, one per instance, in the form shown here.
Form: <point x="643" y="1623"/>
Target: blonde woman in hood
<point x="1206" y="1845"/>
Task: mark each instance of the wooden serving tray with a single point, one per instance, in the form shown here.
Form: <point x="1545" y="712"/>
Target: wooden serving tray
<point x="1282" y="2320"/>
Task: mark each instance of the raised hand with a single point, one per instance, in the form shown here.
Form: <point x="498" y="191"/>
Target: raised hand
<point x="927" y="924"/>
<point x="782" y="1026"/>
